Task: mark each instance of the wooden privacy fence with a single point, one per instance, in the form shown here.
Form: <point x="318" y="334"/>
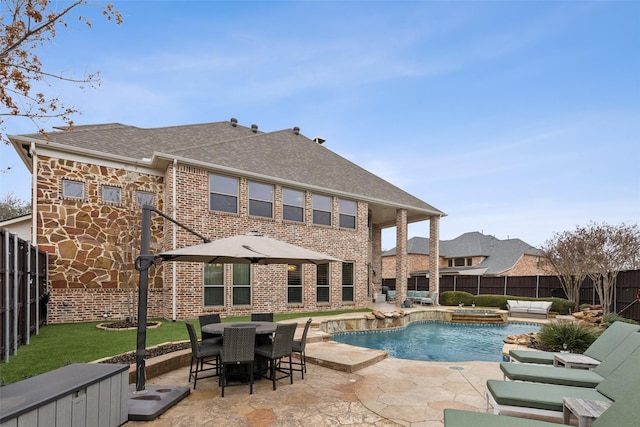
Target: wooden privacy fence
<point x="625" y="296"/>
<point x="23" y="296"/>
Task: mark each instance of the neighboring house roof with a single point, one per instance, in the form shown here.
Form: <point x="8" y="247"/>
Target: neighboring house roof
<point x="500" y="255"/>
<point x="284" y="156"/>
<point x="20" y="225"/>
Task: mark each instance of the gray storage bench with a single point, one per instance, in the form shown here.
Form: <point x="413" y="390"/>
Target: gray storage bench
<point x="80" y="394"/>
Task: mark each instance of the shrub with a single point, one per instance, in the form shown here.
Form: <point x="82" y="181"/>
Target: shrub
<point x="457" y="297"/>
<point x="577" y="336"/>
<point x="609" y="318"/>
<point x="558" y="305"/>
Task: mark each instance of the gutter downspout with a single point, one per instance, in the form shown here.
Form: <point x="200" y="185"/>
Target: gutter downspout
<point x="174" y="237"/>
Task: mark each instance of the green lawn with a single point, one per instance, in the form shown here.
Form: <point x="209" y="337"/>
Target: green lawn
<point x="61" y="344"/>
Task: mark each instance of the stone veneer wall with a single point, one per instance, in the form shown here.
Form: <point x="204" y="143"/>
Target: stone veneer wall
<point x="88" y="239"/>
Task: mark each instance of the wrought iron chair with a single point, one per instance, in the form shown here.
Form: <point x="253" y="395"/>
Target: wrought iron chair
<point x="262" y="317"/>
<point x="202" y="354"/>
<point x="207" y="319"/>
<point x="238" y="348"/>
<point x="299" y="347"/>
<point x="281" y="347"/>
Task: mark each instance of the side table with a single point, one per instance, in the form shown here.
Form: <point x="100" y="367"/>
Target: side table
<point x="575" y="361"/>
<point x="585" y="410"/>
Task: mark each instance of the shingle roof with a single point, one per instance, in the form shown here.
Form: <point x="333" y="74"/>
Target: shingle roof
<point x="283" y="155"/>
<point x="500" y="255"/>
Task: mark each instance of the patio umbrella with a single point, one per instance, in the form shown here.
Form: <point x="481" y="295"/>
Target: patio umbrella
<point x="250" y="248"/>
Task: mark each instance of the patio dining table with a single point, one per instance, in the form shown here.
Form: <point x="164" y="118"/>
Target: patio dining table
<point x="264" y="330"/>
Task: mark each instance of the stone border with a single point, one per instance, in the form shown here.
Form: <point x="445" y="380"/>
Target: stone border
<point x="104" y="328"/>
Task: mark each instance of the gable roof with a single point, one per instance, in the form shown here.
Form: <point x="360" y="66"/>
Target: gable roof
<point x="284" y="156"/>
<point x="500" y="255"/>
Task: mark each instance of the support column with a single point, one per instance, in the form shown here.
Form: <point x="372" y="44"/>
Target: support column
<point x="434" y="254"/>
<point x="402" y="259"/>
<point x="376" y="258"/>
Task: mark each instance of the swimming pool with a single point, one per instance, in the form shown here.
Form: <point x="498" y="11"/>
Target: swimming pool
<point x="439" y="341"/>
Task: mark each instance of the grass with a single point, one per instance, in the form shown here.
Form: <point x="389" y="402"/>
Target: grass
<point x="58" y="345"/>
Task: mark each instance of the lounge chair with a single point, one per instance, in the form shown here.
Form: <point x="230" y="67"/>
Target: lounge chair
<point x="572" y="377"/>
<point x="598" y="350"/>
<point x="547" y="399"/>
<point x="391" y="296"/>
<point x="432" y="299"/>
<point x="624" y="412"/>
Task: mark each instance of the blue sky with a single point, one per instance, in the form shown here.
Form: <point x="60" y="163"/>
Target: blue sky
<point x="518" y="119"/>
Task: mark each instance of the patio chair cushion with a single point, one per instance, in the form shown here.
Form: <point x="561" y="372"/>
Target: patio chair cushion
<point x="550" y="396"/>
<point x="612" y="337"/>
<point x="460" y="418"/>
<point x="615" y="334"/>
<point x="573" y="377"/>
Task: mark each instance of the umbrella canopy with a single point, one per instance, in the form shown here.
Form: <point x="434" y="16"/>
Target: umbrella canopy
<point x="249" y="248"/>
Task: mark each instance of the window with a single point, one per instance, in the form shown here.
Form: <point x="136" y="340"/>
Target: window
<point x="469" y="262"/>
<point x="241" y="284"/>
<point x="322" y="283"/>
<point x="321" y="209"/>
<point x="294" y="284"/>
<point x="347" y="282"/>
<point x="450" y="263"/>
<point x="111" y="194"/>
<point x="223" y="193"/>
<point x="347" y="209"/>
<point x="260" y="199"/>
<point x="213" y="284"/>
<point x="458" y="262"/>
<point x="292" y="205"/>
<point x="72" y="189"/>
<point x="144" y="198"/>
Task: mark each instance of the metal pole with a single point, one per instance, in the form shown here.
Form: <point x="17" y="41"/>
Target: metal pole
<point x="28" y="280"/>
<point x="6" y="296"/>
<point x="143" y="267"/>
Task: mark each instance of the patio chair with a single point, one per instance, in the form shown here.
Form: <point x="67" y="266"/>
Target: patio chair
<point x="624" y="412"/>
<point x="238" y="346"/>
<point x="572" y="377"/>
<point x="207" y="319"/>
<point x="391" y="295"/>
<point x="299" y="348"/>
<point x="202" y="354"/>
<point x="262" y="317"/>
<point x="612" y="337"/>
<point x="433" y="299"/>
<point x="547" y="399"/>
<point x="281" y="347"/>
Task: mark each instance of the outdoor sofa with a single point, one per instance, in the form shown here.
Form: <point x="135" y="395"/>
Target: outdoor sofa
<point x="624" y="412"/>
<point x="612" y="337"/>
<point x="519" y="308"/>
<point x="547" y="399"/>
<point x="573" y="377"/>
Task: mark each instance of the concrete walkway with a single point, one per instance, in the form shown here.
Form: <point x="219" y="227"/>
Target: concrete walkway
<point x="367" y="390"/>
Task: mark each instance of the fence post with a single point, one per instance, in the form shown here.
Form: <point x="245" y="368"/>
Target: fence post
<point x="537" y="285"/>
<point x="15" y="295"/>
<point x="505" y="285"/>
<point x="6" y="297"/>
<point x="454" y="283"/>
<point x="478" y="293"/>
<point x="27" y="302"/>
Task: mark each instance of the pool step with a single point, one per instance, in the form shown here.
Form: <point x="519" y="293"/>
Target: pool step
<point x="476" y="318"/>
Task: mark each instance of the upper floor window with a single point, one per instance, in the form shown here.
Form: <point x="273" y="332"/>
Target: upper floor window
<point x="213" y="284"/>
<point x="144" y="198"/>
<point x="292" y="205"/>
<point x="260" y="199"/>
<point x="294" y="284"/>
<point x="460" y="262"/>
<point x="72" y="189"/>
<point x="321" y="209"/>
<point x="347" y="209"/>
<point x="223" y="193"/>
<point x="111" y="194"/>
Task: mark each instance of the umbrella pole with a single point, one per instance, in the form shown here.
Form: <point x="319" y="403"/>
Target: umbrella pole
<point x="143" y="263"/>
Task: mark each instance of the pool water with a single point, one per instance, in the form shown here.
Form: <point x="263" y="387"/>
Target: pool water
<point x="439" y="341"/>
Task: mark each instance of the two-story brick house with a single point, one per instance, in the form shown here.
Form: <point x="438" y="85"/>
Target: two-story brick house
<point x="219" y="179"/>
<point x="473" y="254"/>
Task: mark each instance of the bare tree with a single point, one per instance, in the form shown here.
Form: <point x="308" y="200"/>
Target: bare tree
<point x="11" y="207"/>
<point x="24" y="26"/>
<point x="608" y="250"/>
<point x="565" y="251"/>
